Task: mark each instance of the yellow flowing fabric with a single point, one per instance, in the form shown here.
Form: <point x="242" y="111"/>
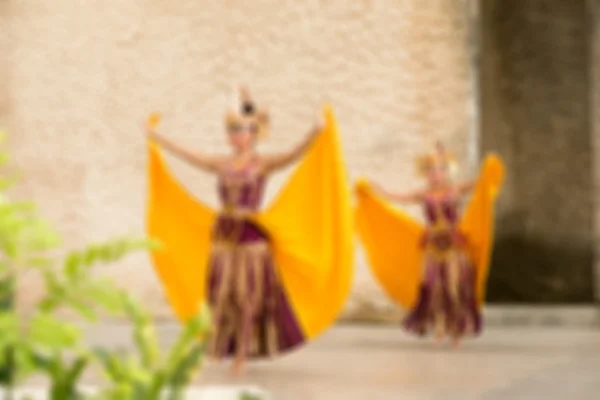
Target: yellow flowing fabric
<point x="391" y="238"/>
<point x="310" y="226"/>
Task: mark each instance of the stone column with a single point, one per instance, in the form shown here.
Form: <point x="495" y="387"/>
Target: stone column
<point x="594" y="39"/>
<point x="535" y="113"/>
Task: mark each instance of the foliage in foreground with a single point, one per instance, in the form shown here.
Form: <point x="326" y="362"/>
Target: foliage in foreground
<point x="44" y="343"/>
<point x="147" y="376"/>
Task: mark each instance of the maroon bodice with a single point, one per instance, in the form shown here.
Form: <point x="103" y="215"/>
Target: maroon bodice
<point x="442" y="215"/>
<point x="441" y="210"/>
<point x="240" y="193"/>
<point x="241" y="189"/>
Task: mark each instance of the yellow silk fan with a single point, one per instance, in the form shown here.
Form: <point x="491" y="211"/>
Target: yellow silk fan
<point x="391" y="237"/>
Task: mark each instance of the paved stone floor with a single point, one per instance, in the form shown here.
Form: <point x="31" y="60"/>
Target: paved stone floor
<point x="373" y="363"/>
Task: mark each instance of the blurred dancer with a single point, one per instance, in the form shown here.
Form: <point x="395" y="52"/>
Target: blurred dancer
<point x="260" y="307"/>
<point x="437" y="271"/>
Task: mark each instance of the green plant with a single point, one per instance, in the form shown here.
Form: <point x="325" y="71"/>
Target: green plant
<point x="149" y="374"/>
<point x="24" y="240"/>
<point x="249" y="396"/>
<point x="63" y="356"/>
<point x="44" y="343"/>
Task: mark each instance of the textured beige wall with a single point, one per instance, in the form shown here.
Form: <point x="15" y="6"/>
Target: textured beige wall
<point x="83" y="74"/>
<point x="5" y="67"/>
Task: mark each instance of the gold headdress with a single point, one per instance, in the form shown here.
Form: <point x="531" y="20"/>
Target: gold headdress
<point x="438" y="157"/>
<point x="243" y="110"/>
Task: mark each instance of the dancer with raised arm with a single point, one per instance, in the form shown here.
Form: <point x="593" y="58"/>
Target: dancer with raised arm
<point x="437" y="271"/>
<point x="273" y="279"/>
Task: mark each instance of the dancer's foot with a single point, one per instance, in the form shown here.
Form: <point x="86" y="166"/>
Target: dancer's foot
<point x="439" y="340"/>
<point x="237" y="367"/>
<point x="455" y="343"/>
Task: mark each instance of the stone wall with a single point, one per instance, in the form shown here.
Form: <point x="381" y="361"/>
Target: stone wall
<point x="594" y="18"/>
<point x="535" y="111"/>
<point x="77" y="78"/>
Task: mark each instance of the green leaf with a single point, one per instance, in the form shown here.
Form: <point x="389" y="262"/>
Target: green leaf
<point x="113" y="366"/>
<point x="81" y="307"/>
<point x="122" y="247"/>
<point x="147" y="343"/>
<point x="9" y="248"/>
<point x="182" y="373"/>
<point x="56" y="366"/>
<point x="92" y="254"/>
<point x="157" y="385"/>
<point x="9" y="327"/>
<point x="140" y="391"/>
<point x="45" y="331"/>
<point x="194" y="331"/>
<point x="9" y="322"/>
<point x="109" y="363"/>
<point x="17" y="206"/>
<point x="137" y="372"/>
<point x="74" y="372"/>
<point x="73" y="264"/>
<point x="39" y="236"/>
<point x="25" y="365"/>
<point x="7" y="293"/>
<point x="124" y="390"/>
<point x="56" y="292"/>
<point x="118" y="249"/>
<point x="249" y="396"/>
<point x="42" y="361"/>
<point x="201" y="323"/>
<point x="48" y="304"/>
<point x="4" y="158"/>
<point x="38" y="262"/>
<point x="154" y="244"/>
<point x="120" y="391"/>
<point x="176" y="393"/>
<point x="135" y="311"/>
<point x="178" y="353"/>
<point x="5" y="268"/>
<point x="104" y="294"/>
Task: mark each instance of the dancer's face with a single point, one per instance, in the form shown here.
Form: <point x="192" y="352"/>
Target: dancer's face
<point x="242" y="134"/>
<point x="438" y="174"/>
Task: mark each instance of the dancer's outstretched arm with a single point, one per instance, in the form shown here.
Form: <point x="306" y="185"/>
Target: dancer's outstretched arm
<point x="410" y="197"/>
<point x="465" y="188"/>
<point x="274" y="162"/>
<point x="202" y="161"/>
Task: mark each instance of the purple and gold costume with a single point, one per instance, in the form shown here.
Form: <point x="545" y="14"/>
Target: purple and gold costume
<point x="249" y="302"/>
<point x="446" y="302"/>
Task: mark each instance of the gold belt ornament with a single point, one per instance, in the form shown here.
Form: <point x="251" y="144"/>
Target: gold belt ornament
<point x="239" y="217"/>
<point x="440" y="240"/>
<point x="237" y="212"/>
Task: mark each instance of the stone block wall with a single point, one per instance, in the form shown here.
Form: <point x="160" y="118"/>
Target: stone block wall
<point x="77" y="79"/>
<point x="594" y="71"/>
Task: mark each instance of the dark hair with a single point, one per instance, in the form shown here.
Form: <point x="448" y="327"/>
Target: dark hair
<point x="248" y="108"/>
